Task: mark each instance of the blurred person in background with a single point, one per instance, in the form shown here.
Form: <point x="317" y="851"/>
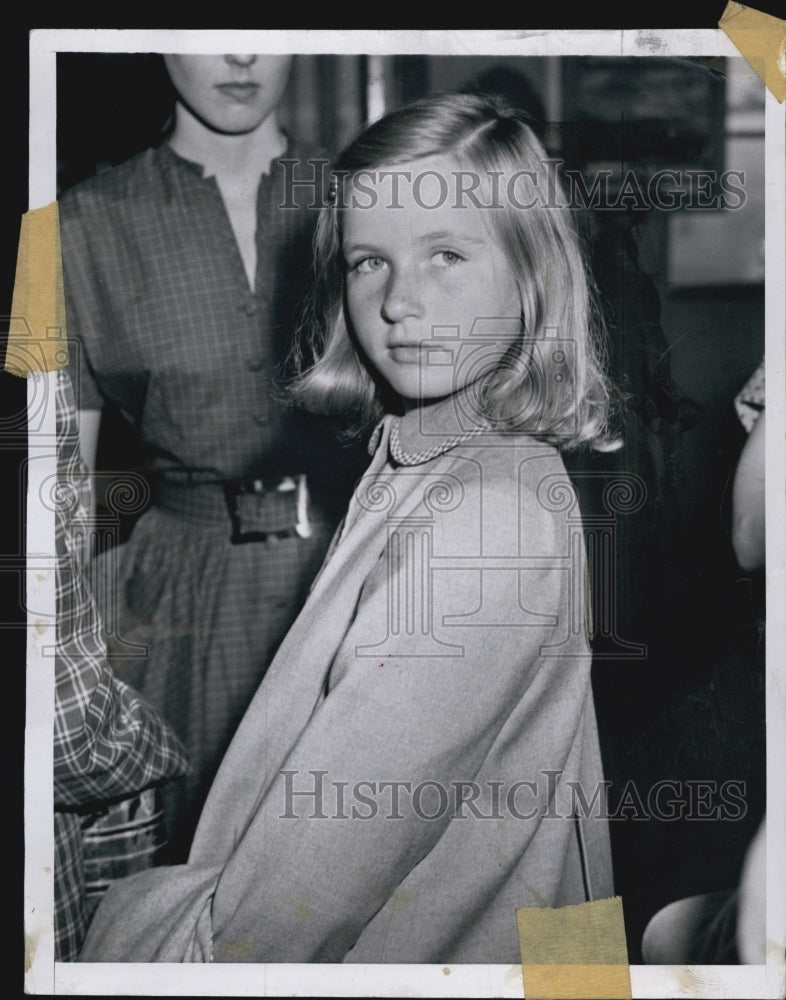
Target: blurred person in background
<point x="728" y="926"/>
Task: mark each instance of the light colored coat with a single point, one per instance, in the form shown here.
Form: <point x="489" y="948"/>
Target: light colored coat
<point x="433" y="703"/>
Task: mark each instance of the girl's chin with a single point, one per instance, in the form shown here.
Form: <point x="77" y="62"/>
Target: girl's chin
<point x="408" y="404"/>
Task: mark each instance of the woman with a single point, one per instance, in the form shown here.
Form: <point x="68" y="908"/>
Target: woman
<point x="182" y="277"/>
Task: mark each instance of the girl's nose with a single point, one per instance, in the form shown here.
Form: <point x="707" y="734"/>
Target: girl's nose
<point x="402" y="298"/>
<point x="244" y="60"/>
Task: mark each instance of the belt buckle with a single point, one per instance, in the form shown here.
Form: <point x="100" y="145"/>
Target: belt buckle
<point x="242" y="501"/>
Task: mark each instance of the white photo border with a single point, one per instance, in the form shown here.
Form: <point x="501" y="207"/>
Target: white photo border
<point x="43" y="974"/>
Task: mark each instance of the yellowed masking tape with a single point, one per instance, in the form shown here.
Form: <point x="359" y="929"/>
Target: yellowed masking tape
<point x="574" y="952"/>
<point x="761" y="39"/>
<point x="37" y="337"/>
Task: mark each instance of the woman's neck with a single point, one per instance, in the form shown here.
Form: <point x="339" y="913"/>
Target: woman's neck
<point x="237" y="162"/>
<point x="234" y="159"/>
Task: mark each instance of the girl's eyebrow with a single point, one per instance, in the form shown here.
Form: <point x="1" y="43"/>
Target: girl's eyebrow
<point x="359" y="248"/>
<point x="438" y="235"/>
<point x="449" y="234"/>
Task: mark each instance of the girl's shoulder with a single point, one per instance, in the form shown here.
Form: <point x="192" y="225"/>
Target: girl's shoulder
<point x="442" y="442"/>
<point x="451" y="428"/>
<point x="507" y="473"/>
<point x="510" y="457"/>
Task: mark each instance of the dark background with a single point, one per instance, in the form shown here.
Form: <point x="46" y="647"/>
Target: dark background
<point x="694" y="708"/>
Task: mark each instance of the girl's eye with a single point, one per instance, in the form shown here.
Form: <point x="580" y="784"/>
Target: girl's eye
<point x="367" y="265"/>
<point x="447" y="258"/>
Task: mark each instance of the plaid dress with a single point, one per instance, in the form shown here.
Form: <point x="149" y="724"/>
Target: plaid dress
<point x="107" y="741"/>
<point x="169" y="332"/>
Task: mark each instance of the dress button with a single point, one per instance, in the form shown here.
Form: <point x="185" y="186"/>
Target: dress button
<point x="255" y="364"/>
<point x="261" y="419"/>
<point x="250" y="306"/>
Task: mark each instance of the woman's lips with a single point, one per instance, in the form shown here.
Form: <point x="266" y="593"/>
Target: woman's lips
<point x="240" y="92"/>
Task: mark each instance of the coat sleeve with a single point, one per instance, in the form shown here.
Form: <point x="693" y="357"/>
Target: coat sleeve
<point x="430" y="669"/>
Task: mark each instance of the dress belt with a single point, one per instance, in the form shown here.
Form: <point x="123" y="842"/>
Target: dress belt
<point x="255" y="509"/>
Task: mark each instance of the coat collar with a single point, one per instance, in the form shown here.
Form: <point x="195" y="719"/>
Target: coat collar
<point x="429" y="431"/>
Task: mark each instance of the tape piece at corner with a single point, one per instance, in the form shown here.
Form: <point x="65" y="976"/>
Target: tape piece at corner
<point x="574" y="952"/>
<point x="37" y="337"/>
<point x="761" y="40"/>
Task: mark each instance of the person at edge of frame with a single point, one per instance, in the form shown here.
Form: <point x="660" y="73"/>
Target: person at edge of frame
<point x="728" y="926"/>
<point x="108" y="742"/>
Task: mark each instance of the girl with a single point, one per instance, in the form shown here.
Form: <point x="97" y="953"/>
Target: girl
<point x="422" y="757"/>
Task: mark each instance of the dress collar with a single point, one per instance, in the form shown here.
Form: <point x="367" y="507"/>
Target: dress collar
<point x="429" y="431"/>
<point x="176" y="160"/>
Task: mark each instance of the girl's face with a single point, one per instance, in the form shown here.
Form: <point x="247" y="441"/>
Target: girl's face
<point x="431" y="296"/>
<point x="232" y="94"/>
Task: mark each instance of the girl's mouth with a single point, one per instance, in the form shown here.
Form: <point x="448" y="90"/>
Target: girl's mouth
<point x="407" y="353"/>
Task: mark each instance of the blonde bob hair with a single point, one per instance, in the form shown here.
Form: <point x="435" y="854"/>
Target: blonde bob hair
<point x="555" y="394"/>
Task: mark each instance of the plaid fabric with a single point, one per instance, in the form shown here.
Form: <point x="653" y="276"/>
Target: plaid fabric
<point x="107" y="741"/>
<point x="169" y="331"/>
<point x="128" y="837"/>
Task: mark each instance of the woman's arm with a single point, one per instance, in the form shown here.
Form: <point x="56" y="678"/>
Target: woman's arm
<point x="748" y="521"/>
<point x="88" y="322"/>
<point x="89" y="426"/>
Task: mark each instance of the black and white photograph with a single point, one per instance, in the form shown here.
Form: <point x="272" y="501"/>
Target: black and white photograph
<point x="396" y="515"/>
